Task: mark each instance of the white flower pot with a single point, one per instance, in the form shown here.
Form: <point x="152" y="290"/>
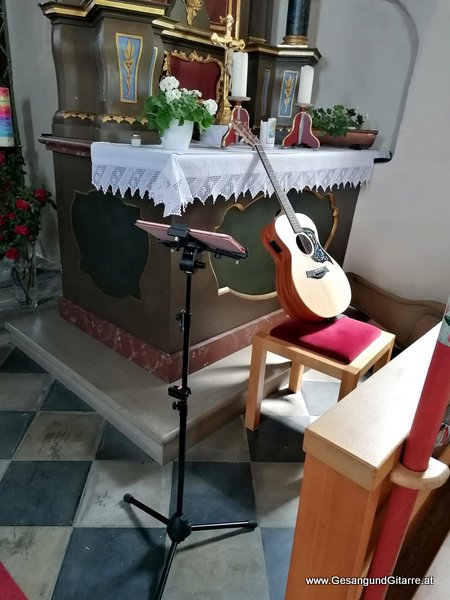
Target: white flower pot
<point x="177" y="137"/>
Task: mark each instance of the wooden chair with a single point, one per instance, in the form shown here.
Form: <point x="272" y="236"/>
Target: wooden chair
<point x="343" y="348"/>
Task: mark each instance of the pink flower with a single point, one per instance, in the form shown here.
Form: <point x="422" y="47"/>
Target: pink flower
<point x="12" y="253"/>
<point x="21" y="229"/>
<point x="22" y="204"/>
<point x="41" y="195"/>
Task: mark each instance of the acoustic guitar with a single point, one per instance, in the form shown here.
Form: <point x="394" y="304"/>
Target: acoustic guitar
<point x="310" y="285"/>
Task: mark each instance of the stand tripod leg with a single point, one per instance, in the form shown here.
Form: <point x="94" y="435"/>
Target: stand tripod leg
<point x="230" y="525"/>
<point x="153" y="513"/>
<point x="165" y="573"/>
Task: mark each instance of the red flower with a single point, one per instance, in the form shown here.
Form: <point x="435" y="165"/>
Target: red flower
<point x="11" y="216"/>
<point x="22" y="204"/>
<point x="2" y="220"/>
<point x="12" y="253"/>
<point x="2" y="158"/>
<point x="21" y="229"/>
<point x="41" y="195"/>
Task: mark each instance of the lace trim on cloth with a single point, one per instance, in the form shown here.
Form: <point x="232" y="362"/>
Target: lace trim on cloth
<point x="176" y="188"/>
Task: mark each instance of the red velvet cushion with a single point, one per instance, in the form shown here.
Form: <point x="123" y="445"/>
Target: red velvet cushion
<point x="342" y="339"/>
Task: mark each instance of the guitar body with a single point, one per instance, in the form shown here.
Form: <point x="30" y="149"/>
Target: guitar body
<point x="311" y="286"/>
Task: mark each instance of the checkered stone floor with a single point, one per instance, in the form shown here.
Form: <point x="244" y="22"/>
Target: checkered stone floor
<point x="65" y="532"/>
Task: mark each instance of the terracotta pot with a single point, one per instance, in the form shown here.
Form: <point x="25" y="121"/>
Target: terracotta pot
<point x="357" y="139"/>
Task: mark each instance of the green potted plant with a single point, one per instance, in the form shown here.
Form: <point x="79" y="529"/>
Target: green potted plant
<point x="341" y="126"/>
<point x="175" y="110"/>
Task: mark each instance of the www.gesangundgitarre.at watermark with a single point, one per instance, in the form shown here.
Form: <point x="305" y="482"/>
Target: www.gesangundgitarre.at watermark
<point x="366" y="581"/>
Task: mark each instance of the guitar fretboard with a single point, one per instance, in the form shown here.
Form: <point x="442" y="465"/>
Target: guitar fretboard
<point x="281" y="195"/>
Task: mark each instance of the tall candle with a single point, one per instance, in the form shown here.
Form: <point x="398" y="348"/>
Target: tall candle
<point x="239" y="74"/>
<point x="305" y="85"/>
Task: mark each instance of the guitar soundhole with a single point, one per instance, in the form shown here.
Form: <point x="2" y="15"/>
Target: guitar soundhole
<point x="304" y="244"/>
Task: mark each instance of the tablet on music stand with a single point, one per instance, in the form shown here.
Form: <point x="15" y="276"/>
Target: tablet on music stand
<point x="216" y="243"/>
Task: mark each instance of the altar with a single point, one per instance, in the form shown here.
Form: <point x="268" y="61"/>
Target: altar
<point x="124" y="288"/>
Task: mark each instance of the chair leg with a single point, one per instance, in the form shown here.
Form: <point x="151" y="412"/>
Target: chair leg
<point x="295" y="377"/>
<point x="349" y="381"/>
<point x="383" y="360"/>
<point x="256" y="383"/>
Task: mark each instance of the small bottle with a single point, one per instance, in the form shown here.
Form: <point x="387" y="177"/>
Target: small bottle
<point x="135" y="139"/>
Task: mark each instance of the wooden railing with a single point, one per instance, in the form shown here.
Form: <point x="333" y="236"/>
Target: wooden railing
<point x="350" y="453"/>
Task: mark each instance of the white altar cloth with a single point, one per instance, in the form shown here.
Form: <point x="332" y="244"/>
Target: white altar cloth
<point x="175" y="179"/>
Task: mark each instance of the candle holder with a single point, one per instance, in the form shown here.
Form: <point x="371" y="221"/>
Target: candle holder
<point x="301" y="133"/>
<point x="229" y="44"/>
<point x="238" y="113"/>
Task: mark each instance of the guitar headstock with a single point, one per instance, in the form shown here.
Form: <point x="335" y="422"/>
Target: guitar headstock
<point x="243" y="130"/>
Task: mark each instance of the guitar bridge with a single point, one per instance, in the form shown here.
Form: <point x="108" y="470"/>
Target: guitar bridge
<point x="317" y="273"/>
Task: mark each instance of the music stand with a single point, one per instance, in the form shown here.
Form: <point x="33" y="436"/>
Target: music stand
<point x="192" y="242"/>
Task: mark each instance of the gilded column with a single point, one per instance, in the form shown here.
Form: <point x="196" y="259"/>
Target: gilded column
<point x="297" y="22"/>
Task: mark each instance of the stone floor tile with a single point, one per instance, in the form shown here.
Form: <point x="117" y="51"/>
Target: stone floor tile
<point x="5" y="349"/>
<point x="277" y="544"/>
<point x="320" y="396"/>
<point x="18" y="362"/>
<point x="33" y="557"/>
<point x="23" y="391"/>
<point x="61" y="398"/>
<point x="102" y="504"/>
<point x="13" y="426"/>
<point x="228" y="444"/>
<point x="41" y="492"/>
<point x="116" y="446"/>
<point x="284" y="403"/>
<point x="61" y="436"/>
<point x="111" y="564"/>
<point x="277" y="490"/>
<point x="228" y="565"/>
<point x="278" y="439"/>
<point x="3" y="466"/>
<point x="216" y="492"/>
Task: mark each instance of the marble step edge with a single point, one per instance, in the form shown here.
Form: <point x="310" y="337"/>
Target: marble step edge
<point x="159" y="445"/>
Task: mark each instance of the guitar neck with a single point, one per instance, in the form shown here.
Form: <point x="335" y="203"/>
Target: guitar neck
<point x="279" y="192"/>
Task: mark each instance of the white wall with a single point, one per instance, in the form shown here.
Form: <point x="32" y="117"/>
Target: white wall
<point x="390" y="58"/>
<point x="400" y="236"/>
<point x="368" y="50"/>
<point x="35" y="102"/>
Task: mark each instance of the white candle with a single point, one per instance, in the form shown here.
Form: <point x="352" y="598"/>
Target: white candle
<point x="239" y="75"/>
<point x="305" y="85"/>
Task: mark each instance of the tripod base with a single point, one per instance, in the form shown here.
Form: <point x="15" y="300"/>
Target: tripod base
<point x="179" y="527"/>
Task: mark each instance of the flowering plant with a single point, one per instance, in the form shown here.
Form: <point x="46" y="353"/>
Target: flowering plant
<point x="20" y="223"/>
<point x="175" y="103"/>
<point x="20" y="208"/>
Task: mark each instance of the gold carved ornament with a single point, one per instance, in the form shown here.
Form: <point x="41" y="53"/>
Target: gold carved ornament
<point x="288" y="89"/>
<point x="192" y="8"/>
<point x="127" y="63"/>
